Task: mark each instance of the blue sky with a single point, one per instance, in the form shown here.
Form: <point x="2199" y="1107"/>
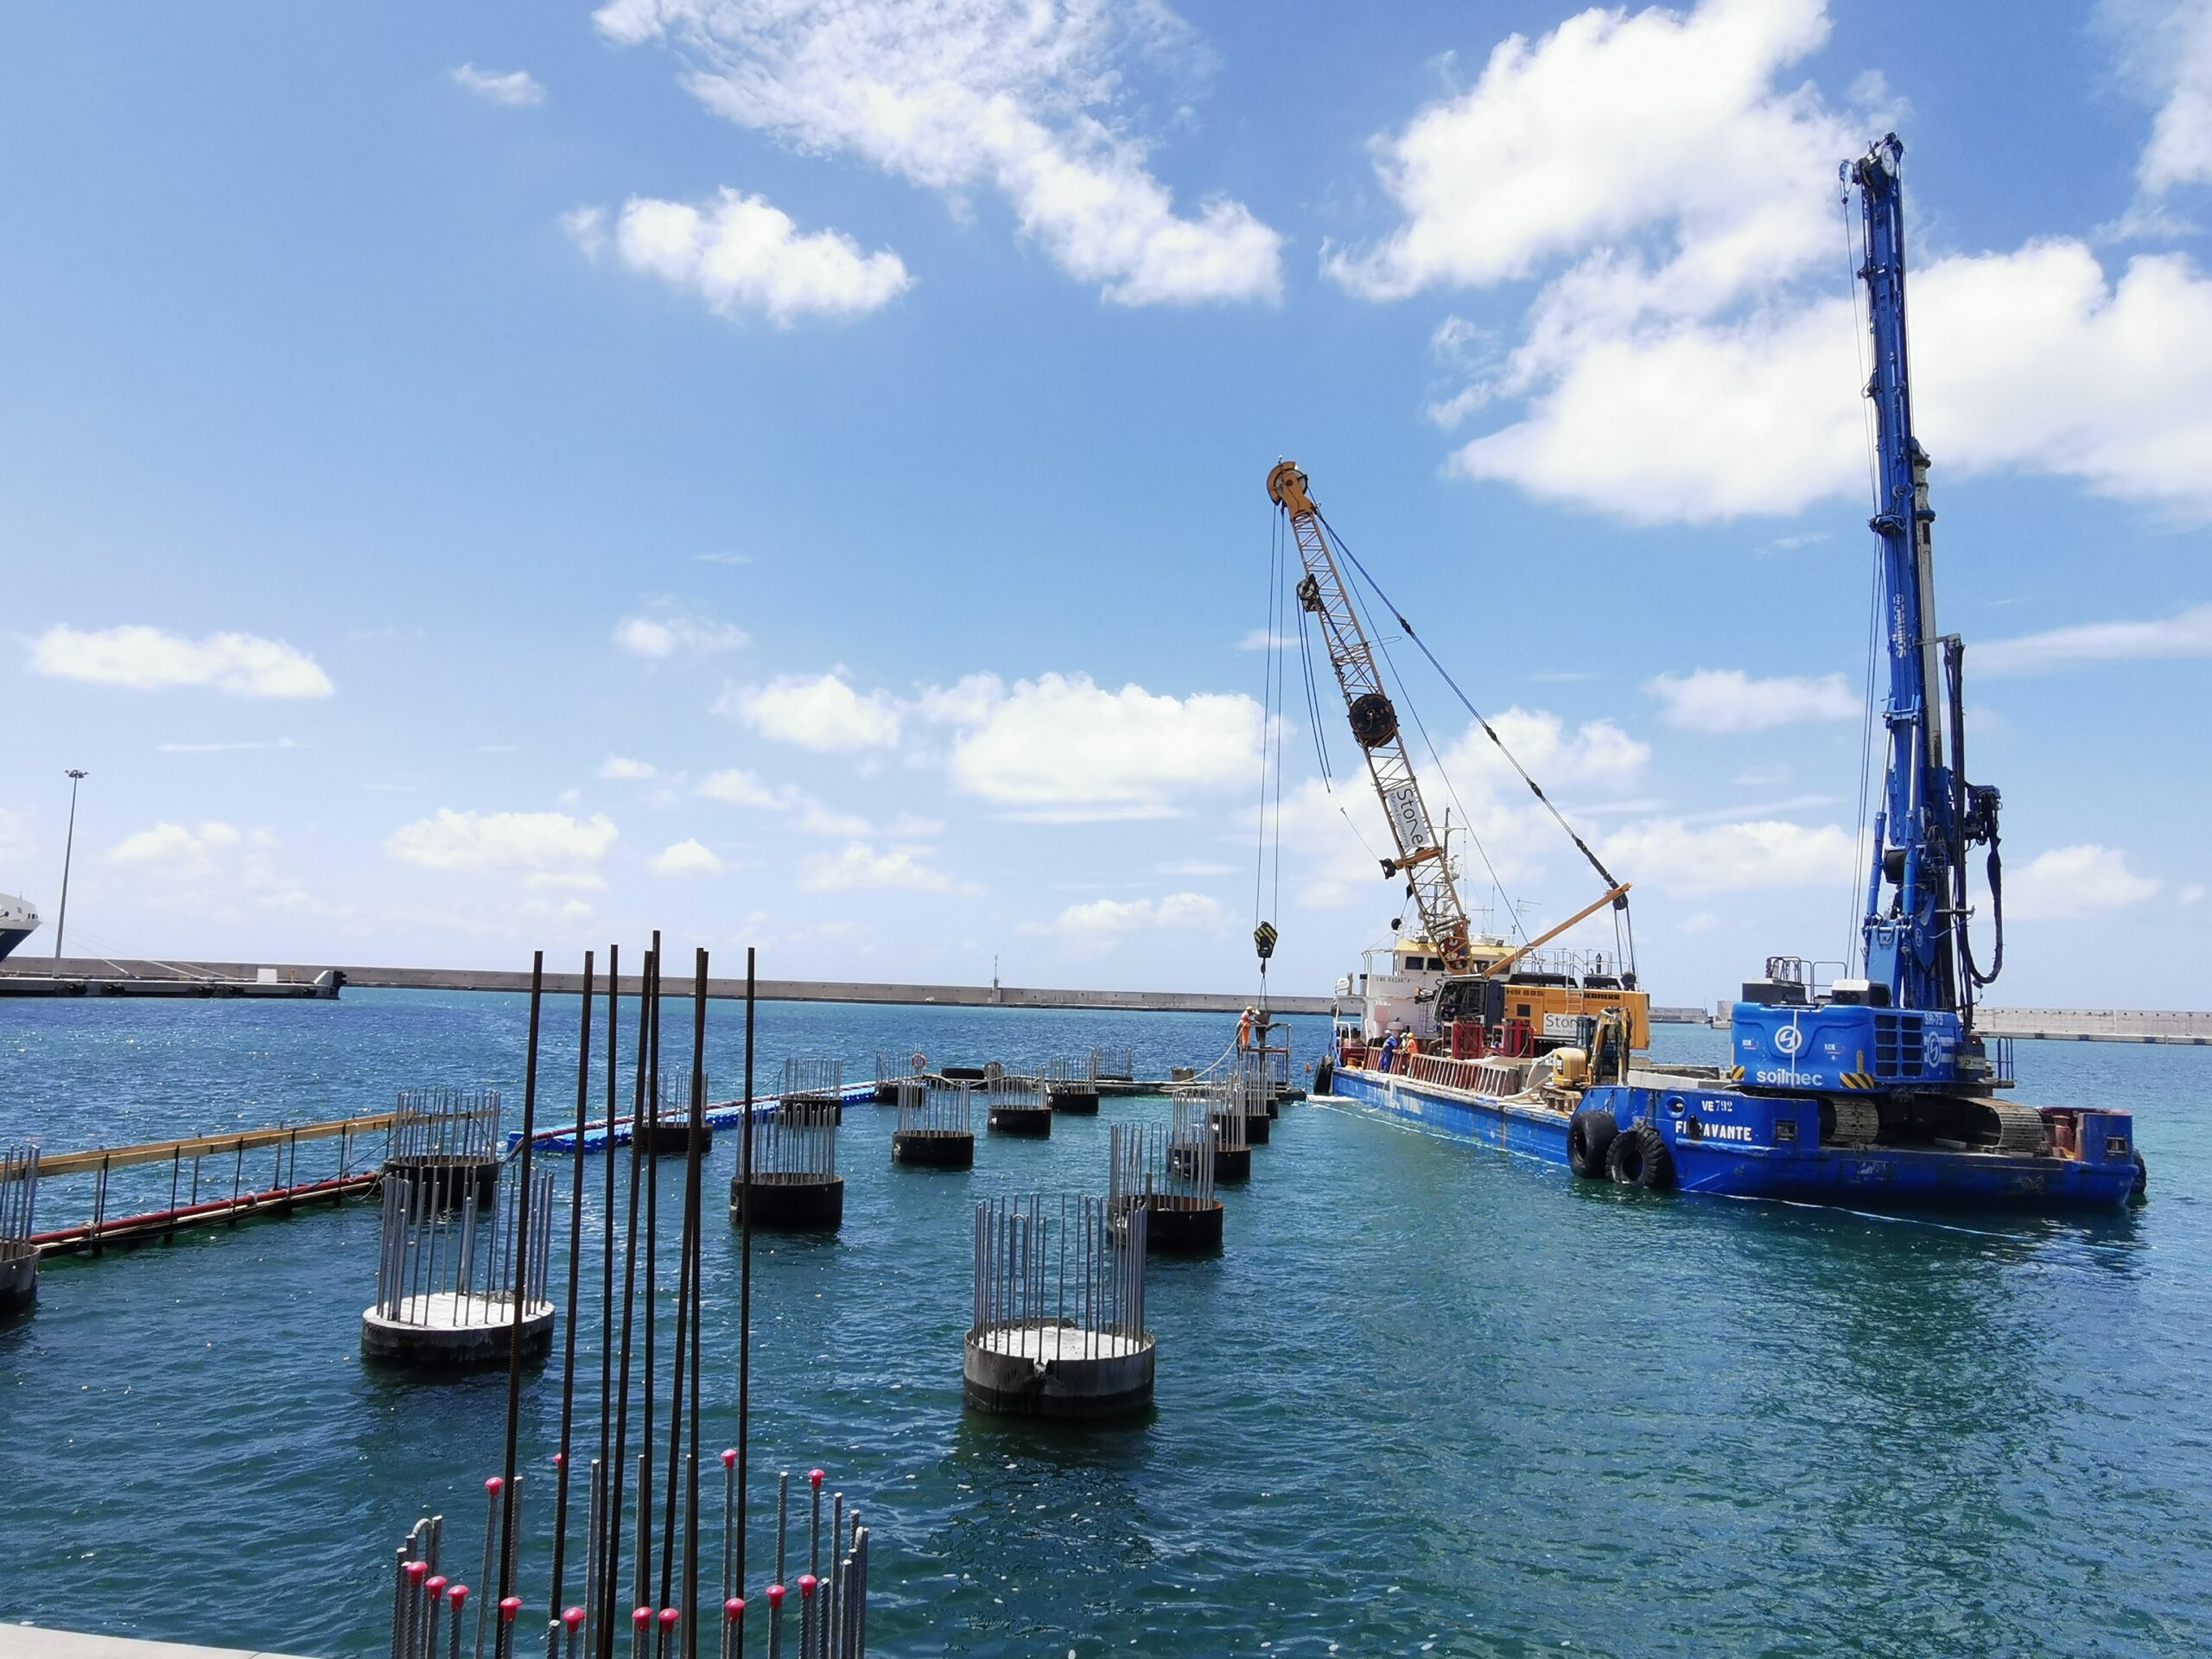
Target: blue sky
<point x="478" y="478"/>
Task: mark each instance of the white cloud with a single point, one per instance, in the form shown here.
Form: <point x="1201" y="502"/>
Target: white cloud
<point x="665" y="634"/>
<point x="146" y="658"/>
<point x="1612" y="126"/>
<point x="738" y="787"/>
<point x="1686" y="358"/>
<point x="1266" y="639"/>
<point x="625" y="770"/>
<point x="821" y="712"/>
<point x="1193" y="866"/>
<point x="551" y="850"/>
<point x="2188" y="634"/>
<point x="744" y="256"/>
<point x="860" y="869"/>
<point x="1729" y="700"/>
<point x="686" y="858"/>
<point x="1062" y="747"/>
<point x="516" y="88"/>
<point x="586" y="227"/>
<point x="2166" y="49"/>
<point x="1019" y="96"/>
<point x="1105" y="919"/>
<point x="1670" y="854"/>
<point x="2067" y="883"/>
<point x="176" y="850"/>
<point x="1596" y="755"/>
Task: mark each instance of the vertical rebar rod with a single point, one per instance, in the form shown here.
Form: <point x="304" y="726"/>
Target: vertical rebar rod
<point x="745" y="1275"/>
<point x="619" y="1467"/>
<point x="651" y="1170"/>
<point x="575" y="1254"/>
<point x="694" y="1209"/>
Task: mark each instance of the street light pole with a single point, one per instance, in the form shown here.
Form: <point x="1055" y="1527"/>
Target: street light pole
<point x="68" y="846"/>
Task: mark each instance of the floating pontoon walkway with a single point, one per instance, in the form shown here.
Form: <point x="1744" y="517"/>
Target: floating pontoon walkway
<point x="197" y="1181"/>
<point x="720" y="1115"/>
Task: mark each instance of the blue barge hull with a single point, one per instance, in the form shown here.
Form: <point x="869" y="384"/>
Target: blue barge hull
<point x="1755" y="1147"/>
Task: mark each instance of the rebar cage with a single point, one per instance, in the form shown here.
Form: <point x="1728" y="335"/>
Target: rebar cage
<point x="676" y="1096"/>
<point x="896" y="1068"/>
<point x="456" y="1125"/>
<point x="445" y="1267"/>
<point x="935" y="1108"/>
<point x="1009" y="1093"/>
<point x="1116" y="1064"/>
<point x="1061" y="1262"/>
<point x="1158" y="1169"/>
<point x="18" y="1193"/>
<point x="1077" y="1068"/>
<point x="1229" y="1101"/>
<point x="795" y="1141"/>
<point x="810" y="1078"/>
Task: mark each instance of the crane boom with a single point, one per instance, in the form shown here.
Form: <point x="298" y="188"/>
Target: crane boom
<point x="1420" y="859"/>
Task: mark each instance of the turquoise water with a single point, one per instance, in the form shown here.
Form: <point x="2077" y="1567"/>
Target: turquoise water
<point x="1430" y="1399"/>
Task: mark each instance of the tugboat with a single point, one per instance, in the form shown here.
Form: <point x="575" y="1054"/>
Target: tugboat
<point x="1876" y="1090"/>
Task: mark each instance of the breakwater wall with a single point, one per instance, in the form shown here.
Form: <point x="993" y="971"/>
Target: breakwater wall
<point x="772" y="990"/>
<point x="2098" y="1025"/>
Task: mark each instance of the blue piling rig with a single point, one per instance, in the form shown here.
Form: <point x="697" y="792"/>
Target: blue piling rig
<point x="1895" y="1052"/>
<point x="1879" y="1090"/>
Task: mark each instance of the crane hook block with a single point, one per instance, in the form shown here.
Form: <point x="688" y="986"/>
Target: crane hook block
<point x="1263" y="939"/>
<point x="1373" y="721"/>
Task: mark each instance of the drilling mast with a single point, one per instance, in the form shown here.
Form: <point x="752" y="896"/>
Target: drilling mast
<point x="1420" y="859"/>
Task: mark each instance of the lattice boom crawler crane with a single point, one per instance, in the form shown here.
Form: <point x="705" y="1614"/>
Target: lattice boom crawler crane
<point x="1492" y="996"/>
<point x="1375" y="727"/>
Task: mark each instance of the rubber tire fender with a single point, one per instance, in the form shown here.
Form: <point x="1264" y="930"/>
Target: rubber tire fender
<point x="1638" y="1156"/>
<point x="1589" y="1141"/>
<point x="1325" y="1077"/>
<point x="2140" y="1191"/>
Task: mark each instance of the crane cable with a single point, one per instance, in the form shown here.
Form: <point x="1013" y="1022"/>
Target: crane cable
<point x="1582" y="846"/>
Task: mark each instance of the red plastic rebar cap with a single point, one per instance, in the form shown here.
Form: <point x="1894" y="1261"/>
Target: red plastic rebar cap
<point x="435" y="1584"/>
<point x="729" y="1456"/>
<point x="642" y="1617"/>
<point x="510" y="1607"/>
<point x="458" y="1594"/>
<point x="668" y="1618"/>
<point x="417" y="1569"/>
<point x="775" y="1595"/>
<point x="734" y="1608"/>
<point x="493" y="1484"/>
<point x="814" y="1475"/>
<point x="560" y="1460"/>
<point x="573" y="1617"/>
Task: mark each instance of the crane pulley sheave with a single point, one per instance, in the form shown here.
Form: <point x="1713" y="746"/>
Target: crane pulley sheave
<point x="1373" y="719"/>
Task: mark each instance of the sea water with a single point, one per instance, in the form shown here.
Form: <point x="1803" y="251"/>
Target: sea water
<point x="1430" y="1399"/>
